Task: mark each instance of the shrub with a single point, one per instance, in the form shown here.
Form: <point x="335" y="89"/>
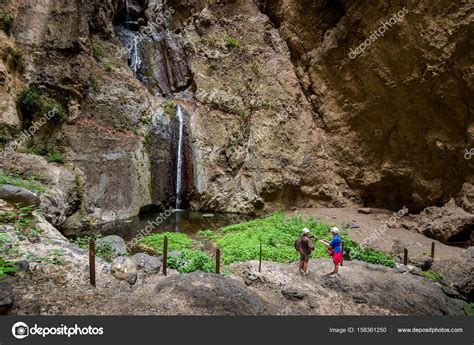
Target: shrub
<point x="6" y="23"/>
<point x="207" y="234"/>
<point x="469" y="309"/>
<point x="176" y="241"/>
<point x="211" y="64"/>
<point x="6" y="267"/>
<point x="109" y="65"/>
<point x="192" y="260"/>
<point x="99" y="51"/>
<point x="29" y="183"/>
<point x="13" y="57"/>
<point x="94" y="82"/>
<point x="50" y="105"/>
<point x="103" y="250"/>
<point x="232" y="42"/>
<point x="169" y="107"/>
<point x="31" y="101"/>
<point x="51" y="153"/>
<point x="433" y="276"/>
<point x="28" y="100"/>
<point x="257" y="67"/>
<point x="55" y="156"/>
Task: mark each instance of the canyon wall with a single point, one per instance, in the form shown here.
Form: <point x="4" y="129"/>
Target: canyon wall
<point x="282" y="108"/>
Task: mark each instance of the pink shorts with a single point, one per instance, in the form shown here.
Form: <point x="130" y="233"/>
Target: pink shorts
<point x="337" y="258"/>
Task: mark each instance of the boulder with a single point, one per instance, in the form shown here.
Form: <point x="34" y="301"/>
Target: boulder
<point x="116" y="242"/>
<point x="18" y="195"/>
<point x="364" y="210"/>
<point x="448" y="224"/>
<point x="424" y="262"/>
<point x="123" y="268"/>
<point x="6" y="298"/>
<point x="22" y="266"/>
<point x="401" y="268"/>
<point x="293" y="294"/>
<point x="252" y="277"/>
<point x="150" y="264"/>
<point x="173" y="254"/>
<point x="201" y="293"/>
<point x="414" y="270"/>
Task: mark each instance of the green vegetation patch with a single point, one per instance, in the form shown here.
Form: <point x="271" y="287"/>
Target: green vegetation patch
<point x="192" y="260"/>
<point x="434" y="276"/>
<point x="7" y="22"/>
<point x="7" y="267"/>
<point x="176" y="241"/>
<point x="469" y="309"/>
<point x="31" y="183"/>
<point x="232" y="42"/>
<point x="277" y="233"/>
<point x="31" y="102"/>
<point x="52" y="153"/>
<point x="169" y="107"/>
<point x="13" y="57"/>
<point x="103" y="250"/>
<point x="99" y="51"/>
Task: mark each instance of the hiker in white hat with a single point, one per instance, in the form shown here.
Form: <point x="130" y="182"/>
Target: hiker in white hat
<point x="305" y="247"/>
<point x="336" y="250"/>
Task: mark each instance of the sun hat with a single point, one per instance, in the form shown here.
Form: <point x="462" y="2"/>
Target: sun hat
<point x="306" y="231"/>
<point x="335" y="230"/>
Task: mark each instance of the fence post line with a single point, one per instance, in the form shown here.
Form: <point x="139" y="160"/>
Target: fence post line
<point x="260" y="261"/>
<point x="92" y="261"/>
<point x="432" y="249"/>
<point x="165" y="254"/>
<point x="218" y="261"/>
<point x="405" y="256"/>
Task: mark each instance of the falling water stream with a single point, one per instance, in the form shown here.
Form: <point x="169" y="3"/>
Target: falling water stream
<point x="179" y="159"/>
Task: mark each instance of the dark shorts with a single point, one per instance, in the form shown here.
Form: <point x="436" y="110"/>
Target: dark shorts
<point x="304" y="257"/>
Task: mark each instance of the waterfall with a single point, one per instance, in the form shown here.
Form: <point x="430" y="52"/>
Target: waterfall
<point x="134" y="58"/>
<point x="179" y="158"/>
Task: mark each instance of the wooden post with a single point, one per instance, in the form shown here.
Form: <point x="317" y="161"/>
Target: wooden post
<point x="165" y="254"/>
<point x="342" y="253"/>
<point x="218" y="261"/>
<point x="92" y="261"/>
<point x="405" y="256"/>
<point x="260" y="262"/>
<point x="432" y="249"/>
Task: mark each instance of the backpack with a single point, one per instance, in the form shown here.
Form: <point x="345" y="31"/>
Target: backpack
<point x="298" y="244"/>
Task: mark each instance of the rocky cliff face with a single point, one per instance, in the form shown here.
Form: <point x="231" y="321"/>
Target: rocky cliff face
<point x="398" y="112"/>
<point x="283" y="108"/>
